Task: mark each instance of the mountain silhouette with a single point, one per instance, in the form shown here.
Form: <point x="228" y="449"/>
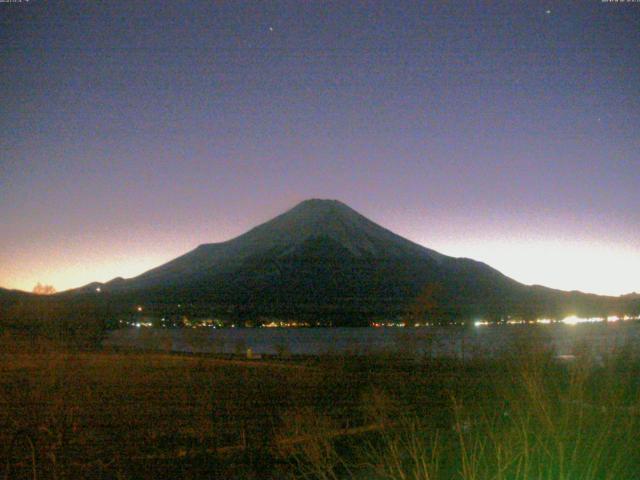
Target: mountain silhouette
<point x="325" y="261"/>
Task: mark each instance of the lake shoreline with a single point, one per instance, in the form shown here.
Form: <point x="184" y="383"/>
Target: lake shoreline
<point x="455" y="341"/>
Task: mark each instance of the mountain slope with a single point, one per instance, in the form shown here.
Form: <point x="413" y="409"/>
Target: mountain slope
<point x="323" y="258"/>
<point x="282" y="235"/>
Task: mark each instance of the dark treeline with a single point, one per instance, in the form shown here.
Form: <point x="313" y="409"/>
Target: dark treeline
<point x="81" y="320"/>
<point x="330" y="307"/>
<point x="76" y="324"/>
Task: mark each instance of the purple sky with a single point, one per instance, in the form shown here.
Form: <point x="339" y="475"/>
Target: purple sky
<point x="508" y="132"/>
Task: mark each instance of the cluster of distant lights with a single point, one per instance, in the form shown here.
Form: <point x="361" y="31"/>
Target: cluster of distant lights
<point x="285" y="324"/>
<point x="142" y="324"/>
<point x="183" y="323"/>
<point x="396" y="324"/>
<point x="570" y="320"/>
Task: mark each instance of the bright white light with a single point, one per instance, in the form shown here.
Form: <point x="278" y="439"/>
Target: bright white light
<point x="98" y="289"/>
<point x="574" y="320"/>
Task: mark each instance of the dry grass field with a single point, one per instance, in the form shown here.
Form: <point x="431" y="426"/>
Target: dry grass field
<point x="132" y="415"/>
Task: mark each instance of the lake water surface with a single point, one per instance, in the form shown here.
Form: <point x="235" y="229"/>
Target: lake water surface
<point x="433" y="341"/>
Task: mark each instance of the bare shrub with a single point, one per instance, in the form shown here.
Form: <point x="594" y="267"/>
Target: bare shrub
<point x="306" y="437"/>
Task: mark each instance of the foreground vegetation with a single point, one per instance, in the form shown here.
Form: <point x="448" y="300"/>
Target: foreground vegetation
<point x="67" y="413"/>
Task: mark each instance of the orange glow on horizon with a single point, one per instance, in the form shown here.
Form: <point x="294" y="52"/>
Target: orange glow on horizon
<point x="585" y="266"/>
<point x="593" y="267"/>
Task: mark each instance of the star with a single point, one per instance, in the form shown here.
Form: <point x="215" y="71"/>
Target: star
<point x="271" y="29"/>
<point x="548" y="12"/>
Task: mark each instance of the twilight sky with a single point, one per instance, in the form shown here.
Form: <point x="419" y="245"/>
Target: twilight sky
<point x="508" y="132"/>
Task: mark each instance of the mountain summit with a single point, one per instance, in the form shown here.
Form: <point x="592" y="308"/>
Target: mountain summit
<point x="334" y="220"/>
<point x="323" y="259"/>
